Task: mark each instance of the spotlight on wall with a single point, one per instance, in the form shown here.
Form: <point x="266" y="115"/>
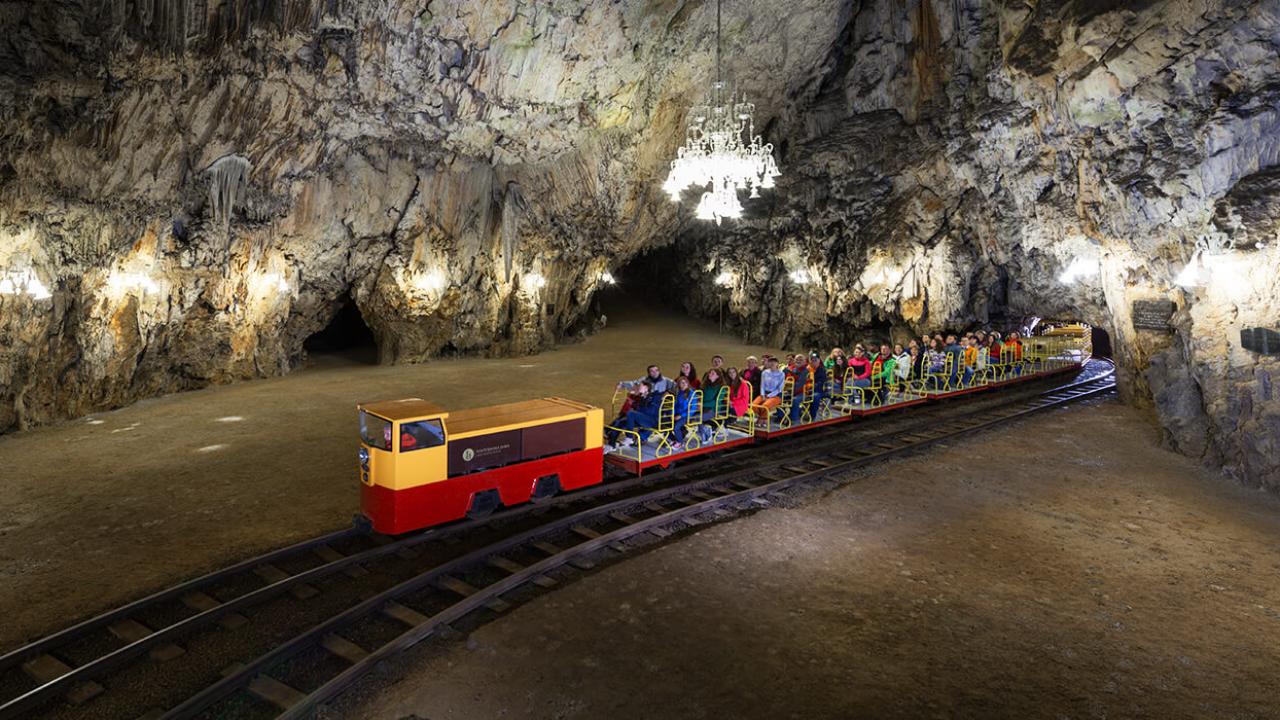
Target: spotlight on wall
<point x="1193" y="275"/>
<point x="433" y="281"/>
<point x="1079" y="269"/>
<point x="124" y="282"/>
<point x="724" y="279"/>
<point x="800" y="277"/>
<point x="607" y="278"/>
<point x="533" y="282"/>
<point x="25" y="281"/>
<point x="268" y="283"/>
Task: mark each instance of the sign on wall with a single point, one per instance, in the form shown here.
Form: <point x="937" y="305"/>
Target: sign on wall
<point x="1261" y="340"/>
<point x="1153" y="314"/>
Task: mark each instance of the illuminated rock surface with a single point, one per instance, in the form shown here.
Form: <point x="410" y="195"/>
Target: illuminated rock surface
<point x="202" y="185"/>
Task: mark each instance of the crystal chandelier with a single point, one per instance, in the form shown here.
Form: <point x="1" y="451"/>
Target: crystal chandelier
<point x="722" y="153"/>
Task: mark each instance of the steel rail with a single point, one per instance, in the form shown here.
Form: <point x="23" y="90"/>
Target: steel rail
<point x="336" y="685"/>
<point x="121" y="655"/>
<point x="80" y="629"/>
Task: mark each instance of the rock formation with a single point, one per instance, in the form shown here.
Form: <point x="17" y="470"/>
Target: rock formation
<point x="201" y="184"/>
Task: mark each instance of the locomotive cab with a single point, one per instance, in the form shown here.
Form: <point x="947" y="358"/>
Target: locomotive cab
<point x="402" y="443"/>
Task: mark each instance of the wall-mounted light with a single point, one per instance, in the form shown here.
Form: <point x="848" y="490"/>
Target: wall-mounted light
<point x="433" y="281"/>
<point x="124" y="282"/>
<point x="800" y="277"/>
<point x="533" y="282"/>
<point x="17" y="282"/>
<point x="268" y="283"/>
<point x="607" y="278"/>
<point x="724" y="279"/>
<point x="1079" y="269"/>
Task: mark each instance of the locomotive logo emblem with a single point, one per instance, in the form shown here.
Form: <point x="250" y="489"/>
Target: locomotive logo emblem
<point x="468" y="455"/>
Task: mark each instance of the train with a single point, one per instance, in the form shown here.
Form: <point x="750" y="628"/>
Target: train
<point x="421" y="465"/>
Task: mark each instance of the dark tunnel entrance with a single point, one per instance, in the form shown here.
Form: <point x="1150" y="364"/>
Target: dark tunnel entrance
<point x="346" y="338"/>
<point x="1101" y="340"/>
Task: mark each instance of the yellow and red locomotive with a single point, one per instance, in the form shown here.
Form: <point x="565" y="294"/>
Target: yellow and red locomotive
<point x="422" y="466"/>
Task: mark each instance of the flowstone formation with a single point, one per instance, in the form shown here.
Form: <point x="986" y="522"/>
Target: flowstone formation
<point x="201" y="185"/>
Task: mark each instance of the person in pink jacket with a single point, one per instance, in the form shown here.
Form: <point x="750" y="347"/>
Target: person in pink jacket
<point x="739" y="393"/>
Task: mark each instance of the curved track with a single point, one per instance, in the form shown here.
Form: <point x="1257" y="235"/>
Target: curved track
<point x="394" y="592"/>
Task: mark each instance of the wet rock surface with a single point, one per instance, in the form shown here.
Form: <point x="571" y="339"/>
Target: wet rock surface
<point x="1062" y="567"/>
<point x="203" y="185"/>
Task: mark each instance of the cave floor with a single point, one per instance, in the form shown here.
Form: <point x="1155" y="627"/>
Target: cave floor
<point x="1064" y="567"/>
<point x="105" y="509"/>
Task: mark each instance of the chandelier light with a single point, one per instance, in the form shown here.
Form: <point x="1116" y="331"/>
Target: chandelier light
<point x="722" y="153"/>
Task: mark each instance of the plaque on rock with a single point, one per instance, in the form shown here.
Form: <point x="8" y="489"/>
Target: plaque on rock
<point x="1153" y="314"/>
<point x="1261" y="340"/>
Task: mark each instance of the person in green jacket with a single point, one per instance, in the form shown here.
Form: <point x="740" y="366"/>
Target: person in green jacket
<point x="882" y="370"/>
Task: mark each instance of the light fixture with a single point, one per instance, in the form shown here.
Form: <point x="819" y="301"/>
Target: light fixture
<point x="16" y="282"/>
<point x="1078" y="269"/>
<point x="721" y="153"/>
<point x="800" y="277"/>
<point x="533" y="282"/>
<point x="432" y="281"/>
<point x="1207" y="247"/>
<point x="724" y="279"/>
<point x="123" y="282"/>
<point x="606" y="277"/>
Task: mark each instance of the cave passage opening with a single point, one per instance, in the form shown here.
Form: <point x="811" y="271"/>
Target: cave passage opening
<point x="1101" y="341"/>
<point x="346" y="338"/>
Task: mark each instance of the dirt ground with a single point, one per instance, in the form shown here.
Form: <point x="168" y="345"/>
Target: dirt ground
<point x="1066" y="567"/>
<point x="102" y="510"/>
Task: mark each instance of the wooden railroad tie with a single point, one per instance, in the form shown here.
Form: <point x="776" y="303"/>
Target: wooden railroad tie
<point x="465" y="589"/>
<point x="47" y="668"/>
<point x="329" y="555"/>
<point x="513" y="567"/>
<point x="201" y="602"/>
<point x="269" y="689"/>
<point x="406" y="615"/>
<point x="343" y="648"/>
<point x="550" y="549"/>
<point x="273" y="575"/>
<point x="131" y="631"/>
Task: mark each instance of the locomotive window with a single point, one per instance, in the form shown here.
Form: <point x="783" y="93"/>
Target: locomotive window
<point x="374" y="431"/>
<point x="421" y="435"/>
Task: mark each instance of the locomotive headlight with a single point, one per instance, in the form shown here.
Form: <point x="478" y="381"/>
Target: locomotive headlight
<point x="364" y="458"/>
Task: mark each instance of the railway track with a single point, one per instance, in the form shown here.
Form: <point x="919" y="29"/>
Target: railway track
<point x="377" y="596"/>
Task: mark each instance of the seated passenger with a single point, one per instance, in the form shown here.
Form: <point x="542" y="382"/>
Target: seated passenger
<point x="970" y="346"/>
<point x="687" y="411"/>
<point x="739" y="393"/>
<point x="955" y="351"/>
<point x="902" y="364"/>
<point x="1013" y="351"/>
<point x="642" y="417"/>
<point x="752" y="372"/>
<point x="861" y="371"/>
<point x="712" y="384"/>
<point x="937" y="363"/>
<point x="802" y="381"/>
<point x="654" y="379"/>
<point x="770" y="395"/>
<point x="918" y="362"/>
<point x="717" y="363"/>
<point x="688" y="371"/>
<point x="818" y="377"/>
<point x="883" y="371"/>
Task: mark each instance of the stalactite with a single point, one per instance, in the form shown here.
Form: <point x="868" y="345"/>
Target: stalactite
<point x="511" y="206"/>
<point x="227" y="177"/>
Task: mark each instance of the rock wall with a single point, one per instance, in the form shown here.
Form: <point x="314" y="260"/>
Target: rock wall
<point x="202" y="183"/>
<point x="950" y="160"/>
